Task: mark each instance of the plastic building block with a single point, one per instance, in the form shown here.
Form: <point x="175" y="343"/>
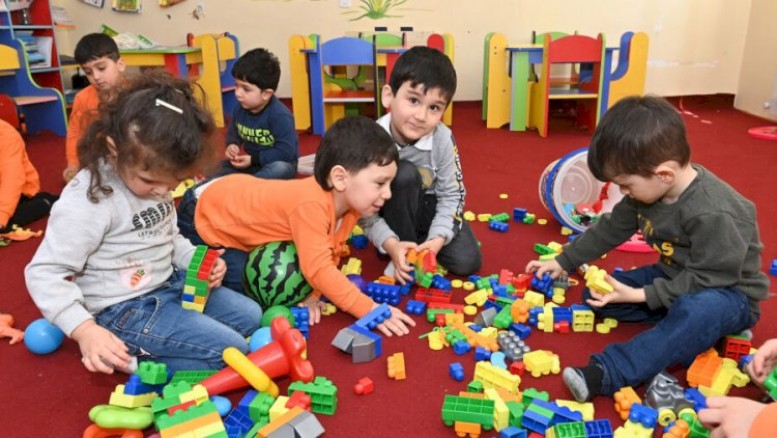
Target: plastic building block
<point x="512" y="432"/>
<point x="153" y="373"/>
<point x="624" y="398"/>
<point x="570" y="430"/>
<point x="396" y="366"/>
<point x="360" y="241"/>
<point x="367" y="346"/>
<point x="384" y="293"/>
<point x="703" y="369"/>
<point x="432" y="295"/>
<point x="456" y="370"/>
<point x="598" y="429"/>
<point x="643" y="415"/>
<point x="582" y="318"/>
<point x="237" y="423"/>
<point x="773" y="268"/>
<point x="322" y="392"/>
<point x="541" y="363"/>
<point x="482" y="354"/>
<point x="522" y="330"/>
<point x="512" y="345"/>
<point x="362" y="387"/>
<point x="736" y="347"/>
<point x="414" y="307"/>
<point x="595" y="279"/>
<point x="538" y="416"/>
<point x="498" y="360"/>
<point x="493" y="377"/>
<point x="498" y="226"/>
<point x="462" y="347"/>
<point x="375" y="317"/>
<point x="196" y="289"/>
<point x="471" y="410"/>
<point x="585" y="409"/>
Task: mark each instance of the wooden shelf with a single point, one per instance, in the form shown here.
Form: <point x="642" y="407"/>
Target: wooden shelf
<point x="32" y="100"/>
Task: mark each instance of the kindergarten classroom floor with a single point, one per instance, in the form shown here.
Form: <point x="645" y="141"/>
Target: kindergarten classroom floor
<point x="51" y="395"/>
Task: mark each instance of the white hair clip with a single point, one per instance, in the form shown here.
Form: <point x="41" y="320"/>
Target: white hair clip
<point x="160" y="102"/>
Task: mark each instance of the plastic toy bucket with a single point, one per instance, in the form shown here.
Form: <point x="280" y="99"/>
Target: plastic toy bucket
<point x="567" y="182"/>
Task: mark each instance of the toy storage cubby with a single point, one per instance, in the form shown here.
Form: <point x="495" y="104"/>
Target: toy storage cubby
<point x="30" y="68"/>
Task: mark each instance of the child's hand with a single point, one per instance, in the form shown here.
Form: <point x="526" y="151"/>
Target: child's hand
<point x="434" y="245"/>
<point x="729" y="416"/>
<point x="102" y="351"/>
<point x="218" y="272"/>
<point x="764" y="361"/>
<point x="551" y="267"/>
<point x="232" y="152"/>
<point x="397" y="323"/>
<point x="315" y="308"/>
<point x="620" y="294"/>
<point x="69" y="173"/>
<point x="241" y="161"/>
<point x="398" y="251"/>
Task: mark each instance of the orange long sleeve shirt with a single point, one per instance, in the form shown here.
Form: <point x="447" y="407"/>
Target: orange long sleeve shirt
<point x="243" y="212"/>
<point x="17" y="174"/>
<point x="765" y="423"/>
<point x="83" y="114"/>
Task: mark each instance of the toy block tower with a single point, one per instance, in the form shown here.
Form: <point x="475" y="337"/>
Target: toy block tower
<point x="195" y="289"/>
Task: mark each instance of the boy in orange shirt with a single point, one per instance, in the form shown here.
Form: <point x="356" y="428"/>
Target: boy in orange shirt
<point x="99" y="58"/>
<point x="21" y="201"/>
<point x="354" y="166"/>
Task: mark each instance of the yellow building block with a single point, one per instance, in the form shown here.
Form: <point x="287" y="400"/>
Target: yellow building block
<point x="494" y="377"/>
<point x="501" y="413"/>
<point x="477" y="298"/>
<point x="119" y="398"/>
<point x="535" y="299"/>
<point x="278" y="407"/>
<point x="587" y="409"/>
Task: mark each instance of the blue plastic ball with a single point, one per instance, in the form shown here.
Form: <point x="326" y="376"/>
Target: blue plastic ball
<point x="223" y="405"/>
<point x="42" y="337"/>
<point x="259" y="339"/>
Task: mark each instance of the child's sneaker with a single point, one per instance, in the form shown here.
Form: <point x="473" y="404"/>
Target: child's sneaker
<point x="584" y="383"/>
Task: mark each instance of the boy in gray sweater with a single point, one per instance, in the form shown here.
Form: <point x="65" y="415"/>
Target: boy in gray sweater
<point x="707" y="282"/>
<point x="427" y="203"/>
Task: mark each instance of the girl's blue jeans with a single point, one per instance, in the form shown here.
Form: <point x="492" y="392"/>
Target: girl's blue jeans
<point x="690" y="326"/>
<point x="155" y="326"/>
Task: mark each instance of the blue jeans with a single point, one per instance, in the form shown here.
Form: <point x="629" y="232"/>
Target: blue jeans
<point x="690" y="326"/>
<point x="274" y="170"/>
<point x="155" y="326"/>
<point x="234" y="258"/>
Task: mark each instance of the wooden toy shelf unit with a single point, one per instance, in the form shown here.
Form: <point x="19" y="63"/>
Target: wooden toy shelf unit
<point x="29" y="65"/>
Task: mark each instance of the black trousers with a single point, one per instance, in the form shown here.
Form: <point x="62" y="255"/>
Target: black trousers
<point x="409" y="213"/>
<point x="29" y="210"/>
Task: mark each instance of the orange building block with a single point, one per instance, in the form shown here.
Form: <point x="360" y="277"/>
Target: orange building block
<point x="396" y="366"/>
<point x="704" y="368"/>
<point x="624" y="398"/>
<point x="464" y="429"/>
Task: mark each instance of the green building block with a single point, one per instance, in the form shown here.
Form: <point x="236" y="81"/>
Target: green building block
<point x="322" y="392"/>
<point x="504" y="318"/>
<point x="570" y="430"/>
<point x="530" y="394"/>
<point x="516" y="413"/>
<point x="471" y="410"/>
<point x="259" y="408"/>
<point x="191" y="377"/>
<point x="501" y="217"/>
<point x="475" y="387"/>
<point x="152" y="373"/>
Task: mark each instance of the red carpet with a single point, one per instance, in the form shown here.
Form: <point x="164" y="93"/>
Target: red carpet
<point x="53" y="393"/>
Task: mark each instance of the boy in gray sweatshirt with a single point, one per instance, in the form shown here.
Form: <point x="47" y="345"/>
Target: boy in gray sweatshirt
<point x="427" y="203"/>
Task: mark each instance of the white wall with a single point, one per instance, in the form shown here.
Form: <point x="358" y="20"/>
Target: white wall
<point x="758" y="76"/>
<point x="696" y="46"/>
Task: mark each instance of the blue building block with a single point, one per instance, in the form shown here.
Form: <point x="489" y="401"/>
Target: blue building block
<point x="499" y="226"/>
<point x="773" y="268"/>
<point x="384" y="293"/>
<point x="519" y="214"/>
<point x="743" y="361"/>
<point x="244" y="402"/>
<point x="456" y="370"/>
<point x="538" y="416"/>
<point x="543" y="284"/>
<point x="375" y="317"/>
<point x="475" y="327"/>
<point x="461" y="347"/>
<point x="135" y="387"/>
<point x="415" y="307"/>
<point x="562" y="314"/>
<point x="512" y="432"/>
<point x="697" y="398"/>
<point x="237" y="423"/>
<point x="533" y="313"/>
<point x="522" y="330"/>
<point x="482" y="354"/>
<point x="643" y="415"/>
<point x="491" y="305"/>
<point x="565" y="415"/>
<point x="359" y="241"/>
<point x="498" y="360"/>
<point x="440" y="282"/>
<point x="598" y="429"/>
